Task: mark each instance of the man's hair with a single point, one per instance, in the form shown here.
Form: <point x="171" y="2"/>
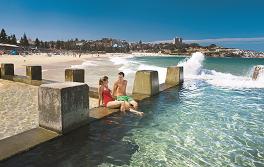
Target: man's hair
<point x="121" y="73"/>
<point x="105" y="78"/>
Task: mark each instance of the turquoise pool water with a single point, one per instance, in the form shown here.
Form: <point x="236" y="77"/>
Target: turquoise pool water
<point x="204" y="122"/>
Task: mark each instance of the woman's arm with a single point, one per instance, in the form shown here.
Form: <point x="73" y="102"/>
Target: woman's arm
<point x="99" y="95"/>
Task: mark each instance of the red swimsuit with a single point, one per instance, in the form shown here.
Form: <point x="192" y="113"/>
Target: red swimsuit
<point x="107" y="97"/>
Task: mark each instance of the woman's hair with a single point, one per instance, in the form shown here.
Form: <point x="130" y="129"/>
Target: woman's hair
<point x="101" y="80"/>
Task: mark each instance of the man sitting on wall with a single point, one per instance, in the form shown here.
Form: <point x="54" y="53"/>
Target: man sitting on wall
<point x="119" y="91"/>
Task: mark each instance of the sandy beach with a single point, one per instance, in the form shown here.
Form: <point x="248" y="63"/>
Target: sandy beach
<point x="53" y="67"/>
<point x="44" y="59"/>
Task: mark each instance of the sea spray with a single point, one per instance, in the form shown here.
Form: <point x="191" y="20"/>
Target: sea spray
<point x="192" y="66"/>
<point x="193" y="69"/>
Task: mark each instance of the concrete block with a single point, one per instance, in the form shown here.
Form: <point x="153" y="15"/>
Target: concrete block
<point x="63" y="106"/>
<point x="34" y="72"/>
<point x="146" y="82"/>
<point x="174" y="75"/>
<point x="74" y="75"/>
<point x="7" y="69"/>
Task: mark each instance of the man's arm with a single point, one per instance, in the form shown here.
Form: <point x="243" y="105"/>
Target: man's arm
<point x="125" y="86"/>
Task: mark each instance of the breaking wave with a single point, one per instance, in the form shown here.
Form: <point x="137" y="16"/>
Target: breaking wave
<point x="85" y="65"/>
<point x="193" y="69"/>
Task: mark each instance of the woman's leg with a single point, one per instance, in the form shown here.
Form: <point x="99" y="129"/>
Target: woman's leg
<point x="114" y="104"/>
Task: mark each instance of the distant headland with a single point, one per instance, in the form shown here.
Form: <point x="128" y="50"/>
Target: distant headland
<point x="9" y="44"/>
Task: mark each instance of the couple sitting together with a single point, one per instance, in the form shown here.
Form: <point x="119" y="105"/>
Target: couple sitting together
<point x="122" y="101"/>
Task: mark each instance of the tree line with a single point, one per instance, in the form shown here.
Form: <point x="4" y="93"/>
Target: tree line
<point x="105" y="45"/>
<point x="72" y="44"/>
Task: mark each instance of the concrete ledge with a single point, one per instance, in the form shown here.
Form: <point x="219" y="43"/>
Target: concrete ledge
<point x="74" y="75"/>
<point x="26" y="80"/>
<point x="101" y="112"/>
<point x="165" y="86"/>
<point x="24" y="141"/>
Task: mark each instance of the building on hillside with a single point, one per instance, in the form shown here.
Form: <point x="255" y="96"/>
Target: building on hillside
<point x="9" y="49"/>
<point x="177" y="41"/>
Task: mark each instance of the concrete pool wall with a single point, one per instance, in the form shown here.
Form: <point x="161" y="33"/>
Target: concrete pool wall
<point x="58" y="109"/>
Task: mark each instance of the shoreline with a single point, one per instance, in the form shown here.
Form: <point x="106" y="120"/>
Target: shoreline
<point x="43" y="59"/>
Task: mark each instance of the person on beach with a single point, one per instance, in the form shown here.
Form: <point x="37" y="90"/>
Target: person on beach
<point x="119" y="91"/>
<point x="106" y="98"/>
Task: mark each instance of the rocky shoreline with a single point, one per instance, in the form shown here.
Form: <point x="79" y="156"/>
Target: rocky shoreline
<point x="235" y="53"/>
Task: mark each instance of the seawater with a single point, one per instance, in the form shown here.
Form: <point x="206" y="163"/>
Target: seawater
<point x="214" y="119"/>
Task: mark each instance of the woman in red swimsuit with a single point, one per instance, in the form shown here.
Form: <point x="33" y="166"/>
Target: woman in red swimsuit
<point x="106" y="98"/>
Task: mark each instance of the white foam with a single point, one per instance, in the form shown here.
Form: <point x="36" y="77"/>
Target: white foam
<point x="193" y="70"/>
<point x="131" y="67"/>
<point x="85" y="65"/>
<point x="193" y="65"/>
<point x="118" y="60"/>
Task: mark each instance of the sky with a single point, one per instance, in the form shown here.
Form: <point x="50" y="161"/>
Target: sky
<point x="235" y="21"/>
